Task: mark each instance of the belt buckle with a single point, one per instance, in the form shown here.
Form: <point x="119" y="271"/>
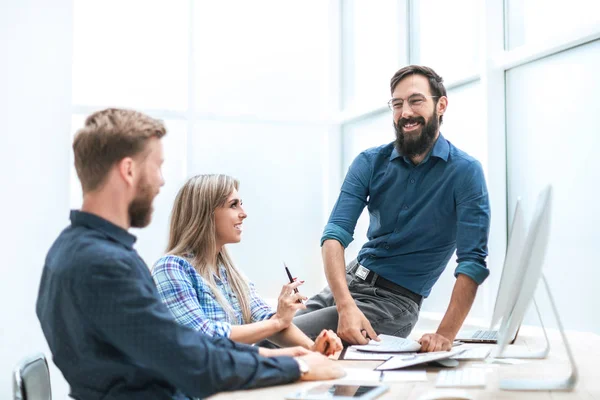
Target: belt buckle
<point x="362" y="272"/>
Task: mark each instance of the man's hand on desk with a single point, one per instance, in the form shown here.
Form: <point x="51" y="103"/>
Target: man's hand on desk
<point x="320" y="368"/>
<point x="353" y="326"/>
<point x="434" y="342"/>
<point x="286" y="351"/>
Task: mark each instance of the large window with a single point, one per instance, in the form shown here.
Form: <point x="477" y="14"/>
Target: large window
<point x="284" y="95"/>
<point x="555" y="144"/>
<point x="244" y="89"/>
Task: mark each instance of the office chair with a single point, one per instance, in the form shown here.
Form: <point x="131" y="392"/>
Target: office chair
<point x="31" y="379"/>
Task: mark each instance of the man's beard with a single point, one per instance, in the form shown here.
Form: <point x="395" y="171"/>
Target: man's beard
<point x="140" y="209"/>
<point x="411" y="145"/>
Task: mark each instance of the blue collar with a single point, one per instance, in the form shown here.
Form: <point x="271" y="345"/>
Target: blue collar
<point x="81" y="218"/>
<point x="440" y="149"/>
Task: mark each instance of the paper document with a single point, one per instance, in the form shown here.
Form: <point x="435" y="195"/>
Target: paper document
<point x="404" y="360"/>
<point x="389" y="344"/>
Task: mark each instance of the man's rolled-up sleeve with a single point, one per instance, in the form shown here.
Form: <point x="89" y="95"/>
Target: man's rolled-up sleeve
<point x="473" y="219"/>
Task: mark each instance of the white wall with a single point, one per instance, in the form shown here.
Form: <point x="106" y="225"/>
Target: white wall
<point x="35" y="101"/>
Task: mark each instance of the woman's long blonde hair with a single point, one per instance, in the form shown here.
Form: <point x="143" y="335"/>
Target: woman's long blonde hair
<point x="192" y="235"/>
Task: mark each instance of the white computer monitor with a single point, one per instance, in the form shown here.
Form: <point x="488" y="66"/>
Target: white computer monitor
<point x="532" y="261"/>
<point x="507" y="290"/>
<point x="529" y="270"/>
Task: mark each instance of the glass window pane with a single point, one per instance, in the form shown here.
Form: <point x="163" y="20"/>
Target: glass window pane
<point x="559" y="146"/>
<point x="464" y="123"/>
<point x="281" y="169"/>
<point x="373" y="44"/>
<point x="131" y="53"/>
<point x="449" y="37"/>
<point x="269" y="58"/>
<point x="541" y="21"/>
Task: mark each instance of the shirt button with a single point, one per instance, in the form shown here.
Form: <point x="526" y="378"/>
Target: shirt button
<point x="405" y="207"/>
<point x="412" y="181"/>
<point x="387" y="247"/>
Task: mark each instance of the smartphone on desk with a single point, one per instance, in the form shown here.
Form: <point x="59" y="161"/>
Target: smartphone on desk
<point x="339" y="392"/>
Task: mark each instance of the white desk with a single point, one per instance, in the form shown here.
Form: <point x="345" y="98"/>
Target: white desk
<point x="585" y="346"/>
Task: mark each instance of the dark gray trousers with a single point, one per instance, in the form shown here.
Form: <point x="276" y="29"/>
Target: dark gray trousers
<point x="388" y="313"/>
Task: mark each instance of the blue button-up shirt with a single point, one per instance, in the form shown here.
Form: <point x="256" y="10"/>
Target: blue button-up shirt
<point x="419" y="214"/>
<point x="113" y="338"/>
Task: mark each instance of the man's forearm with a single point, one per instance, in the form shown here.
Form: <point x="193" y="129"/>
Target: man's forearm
<point x="461" y="301"/>
<point x="335" y="271"/>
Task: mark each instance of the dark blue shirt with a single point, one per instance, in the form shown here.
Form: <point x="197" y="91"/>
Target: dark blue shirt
<point x="419" y="214"/>
<point x="113" y="338"/>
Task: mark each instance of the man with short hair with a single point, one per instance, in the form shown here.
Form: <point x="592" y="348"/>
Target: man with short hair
<point x="426" y="199"/>
<point x="108" y="330"/>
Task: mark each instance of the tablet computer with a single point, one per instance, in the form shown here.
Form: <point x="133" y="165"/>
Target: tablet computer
<point x="339" y="391"/>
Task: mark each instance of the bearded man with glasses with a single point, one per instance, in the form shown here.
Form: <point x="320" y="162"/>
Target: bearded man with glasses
<point x="426" y="199"/>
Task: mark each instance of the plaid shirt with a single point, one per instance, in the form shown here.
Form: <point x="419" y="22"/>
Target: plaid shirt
<point x="194" y="304"/>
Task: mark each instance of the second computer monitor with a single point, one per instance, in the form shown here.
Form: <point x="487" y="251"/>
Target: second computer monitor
<point x="510" y="270"/>
<point x="529" y="272"/>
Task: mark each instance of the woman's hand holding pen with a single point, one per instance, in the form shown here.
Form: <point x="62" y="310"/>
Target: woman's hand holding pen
<point x="288" y="303"/>
<point x="327" y="343"/>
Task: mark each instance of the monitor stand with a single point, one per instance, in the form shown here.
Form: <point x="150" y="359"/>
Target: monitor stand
<point x="560" y="384"/>
<point x="510" y="352"/>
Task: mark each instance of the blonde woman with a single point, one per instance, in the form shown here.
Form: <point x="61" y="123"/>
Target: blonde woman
<point x="205" y="291"/>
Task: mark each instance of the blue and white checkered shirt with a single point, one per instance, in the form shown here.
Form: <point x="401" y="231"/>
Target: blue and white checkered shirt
<point x="193" y="303"/>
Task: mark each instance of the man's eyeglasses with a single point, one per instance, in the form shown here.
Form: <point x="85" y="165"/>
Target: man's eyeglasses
<point x="415" y="102"/>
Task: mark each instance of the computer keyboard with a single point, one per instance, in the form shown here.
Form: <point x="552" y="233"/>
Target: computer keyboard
<point x="474" y="353"/>
<point x="485" y="335"/>
<point x="390" y="344"/>
<point x="461" y="377"/>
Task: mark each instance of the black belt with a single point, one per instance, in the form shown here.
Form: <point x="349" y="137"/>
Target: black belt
<point x="383" y="283"/>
